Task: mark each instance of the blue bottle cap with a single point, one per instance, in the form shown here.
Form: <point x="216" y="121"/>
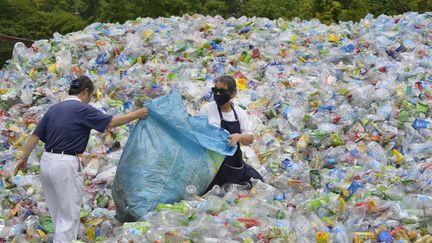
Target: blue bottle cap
<point x="385" y="236"/>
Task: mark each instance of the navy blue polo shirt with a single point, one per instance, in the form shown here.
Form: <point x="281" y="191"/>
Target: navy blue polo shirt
<point x="66" y="126"/>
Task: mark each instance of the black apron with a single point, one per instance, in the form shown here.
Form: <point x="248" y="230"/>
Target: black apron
<point x="233" y="168"/>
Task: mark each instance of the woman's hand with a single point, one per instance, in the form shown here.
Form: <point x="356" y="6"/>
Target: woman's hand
<point x="234" y="139"/>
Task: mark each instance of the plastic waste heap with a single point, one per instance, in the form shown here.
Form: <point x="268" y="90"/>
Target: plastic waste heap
<point x="341" y="113"/>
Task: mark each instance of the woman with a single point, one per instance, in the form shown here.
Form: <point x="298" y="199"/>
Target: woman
<point x="65" y="130"/>
<point x="223" y="113"/>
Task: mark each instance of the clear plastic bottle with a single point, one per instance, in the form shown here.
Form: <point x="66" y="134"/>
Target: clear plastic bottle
<point x="190" y="192"/>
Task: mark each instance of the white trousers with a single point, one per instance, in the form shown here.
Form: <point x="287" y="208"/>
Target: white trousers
<point x="62" y="185"/>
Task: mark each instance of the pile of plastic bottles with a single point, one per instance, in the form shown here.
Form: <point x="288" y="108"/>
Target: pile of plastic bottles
<point x="342" y="123"/>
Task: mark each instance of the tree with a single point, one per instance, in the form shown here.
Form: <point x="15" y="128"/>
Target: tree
<point x="354" y="10"/>
<point x="270" y="9"/>
<point x="39" y="19"/>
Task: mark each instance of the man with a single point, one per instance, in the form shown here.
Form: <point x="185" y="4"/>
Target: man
<point x="65" y="130"/>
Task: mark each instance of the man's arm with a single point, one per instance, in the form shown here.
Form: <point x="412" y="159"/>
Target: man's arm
<point x="126" y="118"/>
<point x="22" y="162"/>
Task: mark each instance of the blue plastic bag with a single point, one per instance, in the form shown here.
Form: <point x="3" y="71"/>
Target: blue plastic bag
<point x="164" y="153"/>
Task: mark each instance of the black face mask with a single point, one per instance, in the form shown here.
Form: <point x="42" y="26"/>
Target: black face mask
<point x="221" y="99"/>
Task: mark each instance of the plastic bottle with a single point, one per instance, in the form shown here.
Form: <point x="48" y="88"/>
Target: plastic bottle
<point x="420" y="123"/>
<point x="92" y="168"/>
<point x="250" y="235"/>
<point x="27" y="180"/>
<point x="190" y="192"/>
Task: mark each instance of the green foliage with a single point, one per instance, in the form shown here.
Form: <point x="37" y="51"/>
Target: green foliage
<point x="271" y="9"/>
<point x="39" y="19"/>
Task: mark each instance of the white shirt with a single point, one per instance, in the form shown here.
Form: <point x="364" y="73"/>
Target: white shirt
<point x="211" y="111"/>
<point x="72" y="97"/>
